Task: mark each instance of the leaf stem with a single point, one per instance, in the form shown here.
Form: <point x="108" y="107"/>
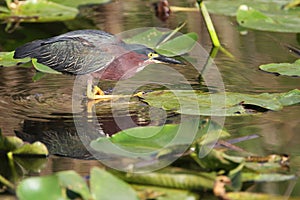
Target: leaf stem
<point x="212" y="32"/>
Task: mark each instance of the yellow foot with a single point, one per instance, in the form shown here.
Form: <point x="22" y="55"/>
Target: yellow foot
<point x="96" y="93"/>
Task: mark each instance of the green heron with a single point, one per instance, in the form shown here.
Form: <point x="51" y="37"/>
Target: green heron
<point x="94" y="52"/>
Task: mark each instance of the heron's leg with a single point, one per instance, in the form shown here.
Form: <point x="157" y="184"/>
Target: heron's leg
<point x="95" y="93"/>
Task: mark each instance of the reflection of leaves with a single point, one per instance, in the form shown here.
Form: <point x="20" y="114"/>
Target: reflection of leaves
<point x="103" y="186"/>
<point x="220" y="104"/>
<point x="289" y="69"/>
<point x="254" y="19"/>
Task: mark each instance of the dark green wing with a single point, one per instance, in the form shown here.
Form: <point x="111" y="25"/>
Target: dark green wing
<point x="77" y="52"/>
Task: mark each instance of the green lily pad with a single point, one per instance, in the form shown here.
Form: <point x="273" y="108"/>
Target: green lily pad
<point x="106" y="186"/>
<point x="266" y="177"/>
<point x="39" y="188"/>
<point x="7" y="60"/>
<point x="151" y="37"/>
<point x="163" y="193"/>
<point x="255" y="196"/>
<point x="156" y="141"/>
<point x="39" y="11"/>
<point x="148" y="140"/>
<point x="36" y="149"/>
<point x="288" y="69"/>
<point x="179" y="45"/>
<point x="171" y="177"/>
<point x="219" y="104"/>
<point x="9" y="143"/>
<point x="175" y="46"/>
<point x="279" y="22"/>
<point x="74" y="182"/>
<point x="75" y="4"/>
<point x="230" y="7"/>
<point x="43" y="68"/>
<point x="63" y="184"/>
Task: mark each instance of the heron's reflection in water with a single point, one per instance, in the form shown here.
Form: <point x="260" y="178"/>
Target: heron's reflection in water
<point x="70" y="135"/>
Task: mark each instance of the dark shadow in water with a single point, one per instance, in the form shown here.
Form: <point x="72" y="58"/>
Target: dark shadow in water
<point x="61" y="137"/>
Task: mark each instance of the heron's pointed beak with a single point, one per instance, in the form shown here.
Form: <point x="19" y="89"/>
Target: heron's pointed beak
<point x="165" y="59"/>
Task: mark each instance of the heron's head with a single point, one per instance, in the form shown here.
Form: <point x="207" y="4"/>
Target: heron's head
<point x="151" y="56"/>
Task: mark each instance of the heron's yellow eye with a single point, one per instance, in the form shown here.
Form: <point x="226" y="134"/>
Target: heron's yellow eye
<point x="152" y="55"/>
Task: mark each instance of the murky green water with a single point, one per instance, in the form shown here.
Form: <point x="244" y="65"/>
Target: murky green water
<point x="52" y="122"/>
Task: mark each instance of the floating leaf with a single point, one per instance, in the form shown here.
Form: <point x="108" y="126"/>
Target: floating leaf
<point x="255" y="196"/>
<point x="288" y="69"/>
<point x="163" y="193"/>
<point x="290" y="98"/>
<point x="7" y="60"/>
<point x="150" y="37"/>
<point x="63" y="184"/>
<point x="43" y="68"/>
<point x="219" y="104"/>
<point x="9" y="143"/>
<point x="156" y="141"/>
<point x="254" y="19"/>
<point x="266" y="177"/>
<point x="34" y="149"/>
<point x="38" y="11"/>
<point x="149" y="140"/>
<point x="172" y="47"/>
<point x="230" y="7"/>
<point x="39" y="188"/>
<point x="105" y="186"/>
<point x="74" y="182"/>
<point x="172" y="177"/>
<point x="75" y="4"/>
<point x="179" y="45"/>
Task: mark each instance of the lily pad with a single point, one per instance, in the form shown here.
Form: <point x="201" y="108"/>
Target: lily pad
<point x="171" y="177"/>
<point x="230" y="8"/>
<point x="147" y="141"/>
<point x="219" y="104"/>
<point x="179" y="45"/>
<point x="280" y="22"/>
<point x="175" y="46"/>
<point x="75" y="4"/>
<point x="9" y="143"/>
<point x="34" y="149"/>
<point x="7" y="60"/>
<point x="38" y="11"/>
<point x="43" y="68"/>
<point x="106" y="186"/>
<point x="163" y="193"/>
<point x="63" y="184"/>
<point x="288" y="69"/>
<point x="156" y="141"/>
<point x="39" y="187"/>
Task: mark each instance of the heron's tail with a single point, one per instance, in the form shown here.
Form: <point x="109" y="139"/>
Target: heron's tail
<point x="28" y="50"/>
